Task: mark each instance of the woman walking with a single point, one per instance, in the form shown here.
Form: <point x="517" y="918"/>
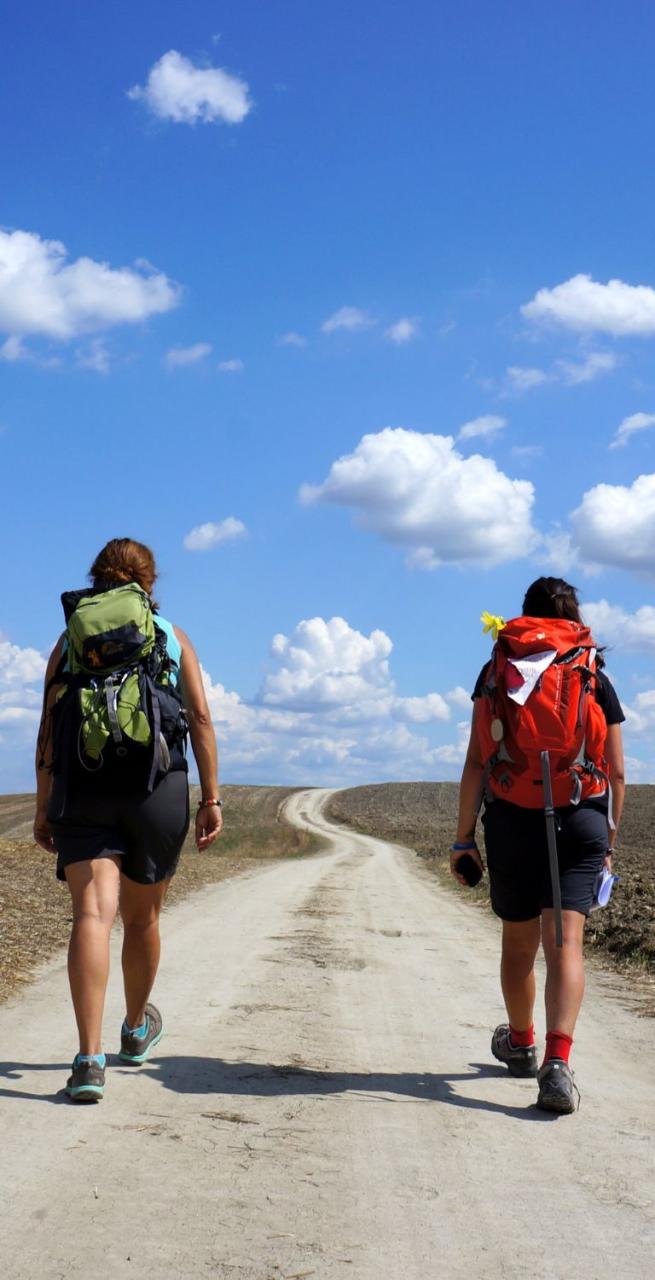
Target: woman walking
<point x="121" y="686"/>
<point x="554" y="657"/>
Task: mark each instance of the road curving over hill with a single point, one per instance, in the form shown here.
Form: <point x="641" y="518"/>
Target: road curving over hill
<point x="324" y="1103"/>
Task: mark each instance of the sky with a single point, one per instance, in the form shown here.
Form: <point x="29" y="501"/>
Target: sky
<point x="348" y="311"/>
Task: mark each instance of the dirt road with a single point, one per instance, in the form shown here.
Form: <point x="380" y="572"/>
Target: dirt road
<point x="324" y="1103"/>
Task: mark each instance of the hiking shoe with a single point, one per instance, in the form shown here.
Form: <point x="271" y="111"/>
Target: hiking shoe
<point x="557" y="1087"/>
<point x="519" y="1060"/>
<point x="136" y="1048"/>
<point x="86" y="1082"/>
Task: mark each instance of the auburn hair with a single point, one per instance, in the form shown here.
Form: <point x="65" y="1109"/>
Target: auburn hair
<point x="124" y="560"/>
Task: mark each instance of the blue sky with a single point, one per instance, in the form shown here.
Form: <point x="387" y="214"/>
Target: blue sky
<point x="376" y="284"/>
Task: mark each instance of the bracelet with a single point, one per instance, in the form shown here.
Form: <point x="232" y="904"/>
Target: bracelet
<point x="209" y="804"/>
<point x="463" y="847"/>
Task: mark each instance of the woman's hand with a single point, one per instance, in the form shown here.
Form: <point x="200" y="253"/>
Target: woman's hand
<point x="209" y="824"/>
<point x="43" y="832"/>
<point x="472" y="852"/>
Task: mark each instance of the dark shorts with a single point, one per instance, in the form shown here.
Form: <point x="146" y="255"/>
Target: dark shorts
<point x="146" y="834"/>
<point x="517" y="857"/>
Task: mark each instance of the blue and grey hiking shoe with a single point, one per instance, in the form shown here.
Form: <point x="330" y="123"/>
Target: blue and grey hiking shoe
<point x="557" y="1087"/>
<point x="136" y="1045"/>
<point x="520" y="1061"/>
<point x="86" y="1082"/>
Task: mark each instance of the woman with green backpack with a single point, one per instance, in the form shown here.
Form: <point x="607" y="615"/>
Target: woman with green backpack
<point x="123" y="687"/>
<point x="546" y="758"/>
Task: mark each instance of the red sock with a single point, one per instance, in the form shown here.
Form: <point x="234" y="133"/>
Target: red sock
<point x="521" y="1039"/>
<point x="558" y="1045"/>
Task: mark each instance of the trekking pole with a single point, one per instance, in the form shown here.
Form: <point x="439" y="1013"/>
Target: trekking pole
<point x="551" y="837"/>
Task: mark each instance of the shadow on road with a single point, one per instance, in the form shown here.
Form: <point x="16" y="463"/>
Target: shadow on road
<point x="188" y="1075"/>
<point x="265" y="1080"/>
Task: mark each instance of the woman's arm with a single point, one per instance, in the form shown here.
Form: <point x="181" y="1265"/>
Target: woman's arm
<point x="616" y="770"/>
<point x="470" y="794"/>
<point x="209" y="819"/>
<point x="43" y="762"/>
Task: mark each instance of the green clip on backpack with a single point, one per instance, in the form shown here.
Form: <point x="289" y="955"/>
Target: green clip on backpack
<point x="117" y="718"/>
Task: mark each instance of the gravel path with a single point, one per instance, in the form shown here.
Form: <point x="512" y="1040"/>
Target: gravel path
<point x="324" y="1103"/>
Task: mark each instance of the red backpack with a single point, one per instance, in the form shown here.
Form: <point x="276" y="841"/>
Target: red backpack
<point x="539" y="695"/>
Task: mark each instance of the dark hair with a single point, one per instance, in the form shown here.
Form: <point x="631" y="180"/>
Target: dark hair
<point x="555" y="598"/>
<point x="551" y="598"/>
<point x="124" y="560"/>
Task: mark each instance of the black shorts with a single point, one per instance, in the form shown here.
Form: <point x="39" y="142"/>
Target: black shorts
<point x="517" y="857"/>
<point x="146" y="834"/>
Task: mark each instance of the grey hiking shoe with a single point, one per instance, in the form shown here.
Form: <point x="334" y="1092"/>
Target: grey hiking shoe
<point x="86" y="1083"/>
<point x="135" y="1048"/>
<point x="557" y="1087"/>
<point x="520" y="1061"/>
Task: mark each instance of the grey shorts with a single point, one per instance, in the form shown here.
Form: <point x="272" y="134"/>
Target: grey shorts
<point x="517" y="857"/>
<point x="146" y="833"/>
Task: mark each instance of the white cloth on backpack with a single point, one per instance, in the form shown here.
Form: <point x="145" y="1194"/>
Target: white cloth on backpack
<point x="530" y="669"/>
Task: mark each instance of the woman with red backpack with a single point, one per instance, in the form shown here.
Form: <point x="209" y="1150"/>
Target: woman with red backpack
<point x="545" y="716"/>
<point x="122" y="687"/>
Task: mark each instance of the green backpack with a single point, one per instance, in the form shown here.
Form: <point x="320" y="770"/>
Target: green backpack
<point x="117" y="714"/>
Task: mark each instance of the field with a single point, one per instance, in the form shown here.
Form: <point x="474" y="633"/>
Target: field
<point x="35" y="907"/>
<point x="422" y="815"/>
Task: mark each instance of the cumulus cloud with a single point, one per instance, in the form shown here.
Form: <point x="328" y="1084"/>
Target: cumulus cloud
<point x="616" y="626"/>
<point x="328" y="710"/>
<point x="629" y="426"/>
<point x="231" y="366"/>
<point x="178" y="90"/>
<point x="349" y="318"/>
<point x="13" y="350"/>
<point x="586" y="306"/>
<point x="180" y="357"/>
<point x="41" y="292"/>
<point x="615" y="525"/>
<point x="403" y="331"/>
<point x="418" y="492"/>
<point x="485" y="427"/>
<point x="206" y="536"/>
<point x="291" y="339"/>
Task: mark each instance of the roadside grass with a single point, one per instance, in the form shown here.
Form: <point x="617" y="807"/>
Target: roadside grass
<point x="35" y="916"/>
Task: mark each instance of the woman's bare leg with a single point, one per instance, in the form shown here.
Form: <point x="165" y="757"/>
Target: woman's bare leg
<point x="519" y="950"/>
<point x="140" y="905"/>
<point x="565" y="980"/>
<point x="93" y="888"/>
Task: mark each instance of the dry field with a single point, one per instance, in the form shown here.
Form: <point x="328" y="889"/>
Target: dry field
<point x="422" y="816"/>
<point x="34" y="906"/>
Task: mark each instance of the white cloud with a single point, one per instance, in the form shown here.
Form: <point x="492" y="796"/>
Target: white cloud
<point x="95" y="357"/>
<point x="460" y="697"/>
<point x="485" y="427"/>
<point x="179" y="357"/>
<point x="19" y="666"/>
<point x="291" y="339"/>
<point x="403" y="331"/>
<point x="206" y="536"/>
<point x="571" y="373"/>
<point x="518" y="378"/>
<point x="558" y="553"/>
<point x="640" y="714"/>
<point x="584" y="305"/>
<point x="178" y="90"/>
<point x="574" y="372"/>
<point x="42" y="293"/>
<point x="418" y="492"/>
<point x="454" y="753"/>
<point x="629" y="426"/>
<point x="527" y="452"/>
<point x="14" y="350"/>
<point x="615" y="525"/>
<point x="350" y="318"/>
<point x="327" y="710"/>
<point x="614" y="625"/>
<point x="231" y="366"/>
